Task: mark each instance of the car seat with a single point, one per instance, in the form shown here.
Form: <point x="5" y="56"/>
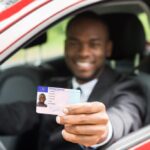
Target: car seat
<point x="18" y="84"/>
<point x="129" y="41"/>
<point x="127" y="34"/>
<point x="145" y="65"/>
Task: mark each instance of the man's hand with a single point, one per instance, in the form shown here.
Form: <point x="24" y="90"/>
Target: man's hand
<point x="84" y="123"/>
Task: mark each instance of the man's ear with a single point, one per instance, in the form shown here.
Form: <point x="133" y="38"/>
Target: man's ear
<point x="109" y="48"/>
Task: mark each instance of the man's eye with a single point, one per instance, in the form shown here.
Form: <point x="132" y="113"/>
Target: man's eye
<point x="73" y="44"/>
<point x="95" y="45"/>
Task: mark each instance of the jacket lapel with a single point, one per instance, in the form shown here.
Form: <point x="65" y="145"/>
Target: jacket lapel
<point x="106" y="79"/>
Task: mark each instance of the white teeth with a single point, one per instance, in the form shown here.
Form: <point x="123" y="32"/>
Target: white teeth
<point x="84" y="64"/>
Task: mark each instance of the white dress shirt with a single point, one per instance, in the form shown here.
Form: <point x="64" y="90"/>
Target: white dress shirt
<point x="86" y="90"/>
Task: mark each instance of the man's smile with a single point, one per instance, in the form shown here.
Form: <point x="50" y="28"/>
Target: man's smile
<point x="84" y="64"/>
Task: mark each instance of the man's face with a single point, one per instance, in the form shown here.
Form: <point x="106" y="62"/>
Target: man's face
<point x="86" y="48"/>
<point x="42" y="98"/>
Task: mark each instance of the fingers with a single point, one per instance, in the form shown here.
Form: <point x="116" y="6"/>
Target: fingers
<point x="84" y="108"/>
<point x="85" y="129"/>
<point x="86" y="140"/>
<point x="96" y="118"/>
<point x="80" y="139"/>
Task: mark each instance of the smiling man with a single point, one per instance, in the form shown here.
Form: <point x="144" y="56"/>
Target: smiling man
<point x="112" y="105"/>
<point x="86" y="48"/>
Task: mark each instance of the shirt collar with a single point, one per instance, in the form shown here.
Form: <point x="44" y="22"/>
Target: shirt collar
<point x="91" y="83"/>
<point x="86" y="88"/>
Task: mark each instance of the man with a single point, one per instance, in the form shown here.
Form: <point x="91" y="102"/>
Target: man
<point x="116" y="105"/>
<point x="42" y="99"/>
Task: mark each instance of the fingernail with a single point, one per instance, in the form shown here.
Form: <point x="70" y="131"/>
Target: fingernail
<point x="63" y="132"/>
<point x="58" y="119"/>
<point x="65" y="110"/>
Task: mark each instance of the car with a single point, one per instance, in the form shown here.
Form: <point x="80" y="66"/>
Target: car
<point x="31" y="50"/>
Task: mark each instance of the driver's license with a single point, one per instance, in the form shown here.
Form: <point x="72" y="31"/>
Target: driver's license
<point x="52" y="100"/>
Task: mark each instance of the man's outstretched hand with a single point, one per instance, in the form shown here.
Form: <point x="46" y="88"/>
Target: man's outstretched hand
<point x="85" y="123"/>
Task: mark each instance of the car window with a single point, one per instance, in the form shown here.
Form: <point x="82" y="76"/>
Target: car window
<point x="40" y="53"/>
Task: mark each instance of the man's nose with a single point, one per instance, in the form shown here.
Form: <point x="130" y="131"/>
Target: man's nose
<point x="84" y="50"/>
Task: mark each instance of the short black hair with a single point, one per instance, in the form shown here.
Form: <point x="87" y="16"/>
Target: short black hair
<point x="86" y="15"/>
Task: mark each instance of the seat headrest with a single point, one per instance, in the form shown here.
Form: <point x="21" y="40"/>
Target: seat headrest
<point x="127" y="34"/>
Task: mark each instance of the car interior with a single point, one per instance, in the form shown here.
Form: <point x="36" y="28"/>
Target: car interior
<point x="128" y="57"/>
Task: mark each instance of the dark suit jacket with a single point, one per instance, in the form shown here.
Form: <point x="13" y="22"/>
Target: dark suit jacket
<point x="123" y="97"/>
